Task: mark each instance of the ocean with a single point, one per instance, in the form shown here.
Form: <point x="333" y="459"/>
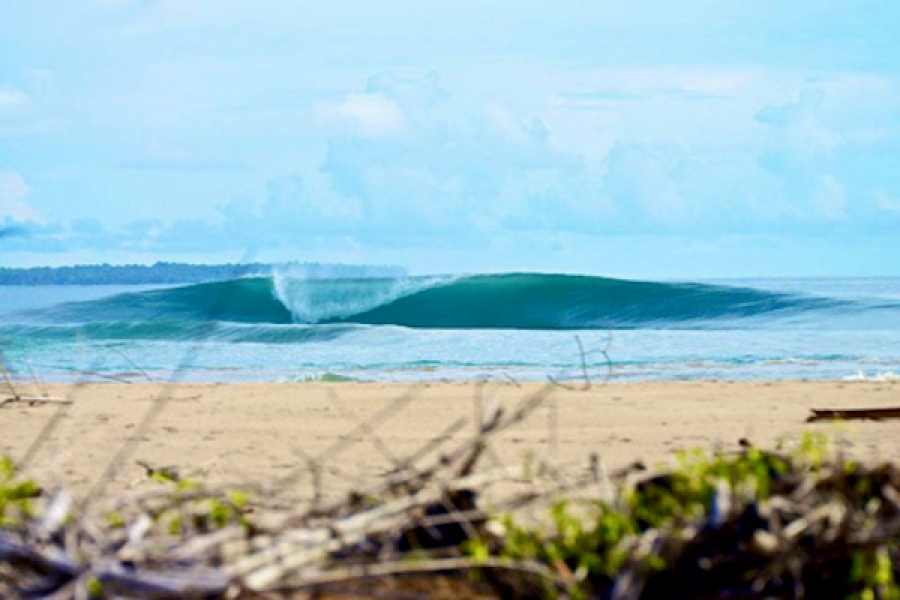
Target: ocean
<point x="515" y="326"/>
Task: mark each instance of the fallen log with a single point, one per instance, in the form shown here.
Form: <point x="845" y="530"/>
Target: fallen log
<point x="851" y="414"/>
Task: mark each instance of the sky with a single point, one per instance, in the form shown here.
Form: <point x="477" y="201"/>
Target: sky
<point x="692" y="139"/>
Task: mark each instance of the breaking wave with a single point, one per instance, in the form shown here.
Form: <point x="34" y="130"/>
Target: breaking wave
<point x="259" y="308"/>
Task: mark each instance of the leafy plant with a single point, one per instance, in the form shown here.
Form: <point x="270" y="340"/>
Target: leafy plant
<point x="588" y="544"/>
<point x="872" y="571"/>
<point x="192" y="508"/>
<point x="16" y="494"/>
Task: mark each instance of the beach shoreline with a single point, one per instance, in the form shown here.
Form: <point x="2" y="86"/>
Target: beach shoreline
<point x="262" y="432"/>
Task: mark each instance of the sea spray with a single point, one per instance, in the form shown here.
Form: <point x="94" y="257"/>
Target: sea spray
<point x="316" y="300"/>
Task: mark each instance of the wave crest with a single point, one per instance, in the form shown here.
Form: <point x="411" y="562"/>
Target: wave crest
<point x="329" y="300"/>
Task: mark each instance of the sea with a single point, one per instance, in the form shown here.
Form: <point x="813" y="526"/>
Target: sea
<point x="511" y="327"/>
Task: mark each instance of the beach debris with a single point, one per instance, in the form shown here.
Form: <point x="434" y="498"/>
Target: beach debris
<point x="32" y="400"/>
<point x="16" y="397"/>
<point x="852" y="414"/>
<point x="163" y="474"/>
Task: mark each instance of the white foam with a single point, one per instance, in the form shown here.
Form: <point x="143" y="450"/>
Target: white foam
<point x="861" y="376"/>
<point x="314" y="300"/>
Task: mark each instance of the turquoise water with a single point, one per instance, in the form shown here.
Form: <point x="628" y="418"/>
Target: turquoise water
<point x="520" y="326"/>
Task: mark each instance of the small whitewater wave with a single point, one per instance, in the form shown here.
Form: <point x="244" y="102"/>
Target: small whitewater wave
<point x="876" y="377"/>
<point x="507" y="301"/>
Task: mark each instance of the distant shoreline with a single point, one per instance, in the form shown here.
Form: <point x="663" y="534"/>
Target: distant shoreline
<point x="162" y="273"/>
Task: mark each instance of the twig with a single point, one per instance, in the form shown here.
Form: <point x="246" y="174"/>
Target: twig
<point x="134" y="364"/>
<point x="347" y="574"/>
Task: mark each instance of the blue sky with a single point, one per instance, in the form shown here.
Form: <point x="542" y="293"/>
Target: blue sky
<point x="641" y="139"/>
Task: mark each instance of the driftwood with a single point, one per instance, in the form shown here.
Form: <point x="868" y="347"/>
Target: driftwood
<point x="17" y="397"/>
<point x="31" y="400"/>
<point x="852" y="414"/>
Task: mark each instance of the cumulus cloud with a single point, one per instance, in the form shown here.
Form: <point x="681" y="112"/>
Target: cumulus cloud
<point x="14" y="206"/>
<point x="406" y="165"/>
<point x="829" y="197"/>
<point x="887" y="202"/>
<point x="293" y="207"/>
<point x="12" y="102"/>
<point x="801" y="151"/>
<point x="678" y="188"/>
<point x="371" y="115"/>
<point x="12" y="99"/>
<point x="618" y="85"/>
<point x="459" y="171"/>
<point x="409" y="167"/>
<point x="645" y="181"/>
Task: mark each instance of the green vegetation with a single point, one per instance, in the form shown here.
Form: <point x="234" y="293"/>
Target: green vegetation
<point x="327" y="377"/>
<point x="726" y="522"/>
<point x="192" y="508"/>
<point x="16" y="495"/>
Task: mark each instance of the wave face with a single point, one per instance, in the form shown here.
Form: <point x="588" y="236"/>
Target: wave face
<point x="250" y="300"/>
<point x="508" y="301"/>
<point x="525" y="301"/>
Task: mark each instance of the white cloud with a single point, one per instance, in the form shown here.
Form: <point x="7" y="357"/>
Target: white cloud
<point x="17" y="113"/>
<point x="12" y="100"/>
<point x="505" y="124"/>
<point x="644" y="181"/>
<point x="462" y="169"/>
<point x="646" y="82"/>
<point x="799" y="126"/>
<point x="14" y="198"/>
<point x="887" y="202"/>
<point x="829" y="197"/>
<point x="802" y="152"/>
<point x="369" y="114"/>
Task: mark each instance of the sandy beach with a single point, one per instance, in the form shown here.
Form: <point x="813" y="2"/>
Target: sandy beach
<point x="261" y="432"/>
